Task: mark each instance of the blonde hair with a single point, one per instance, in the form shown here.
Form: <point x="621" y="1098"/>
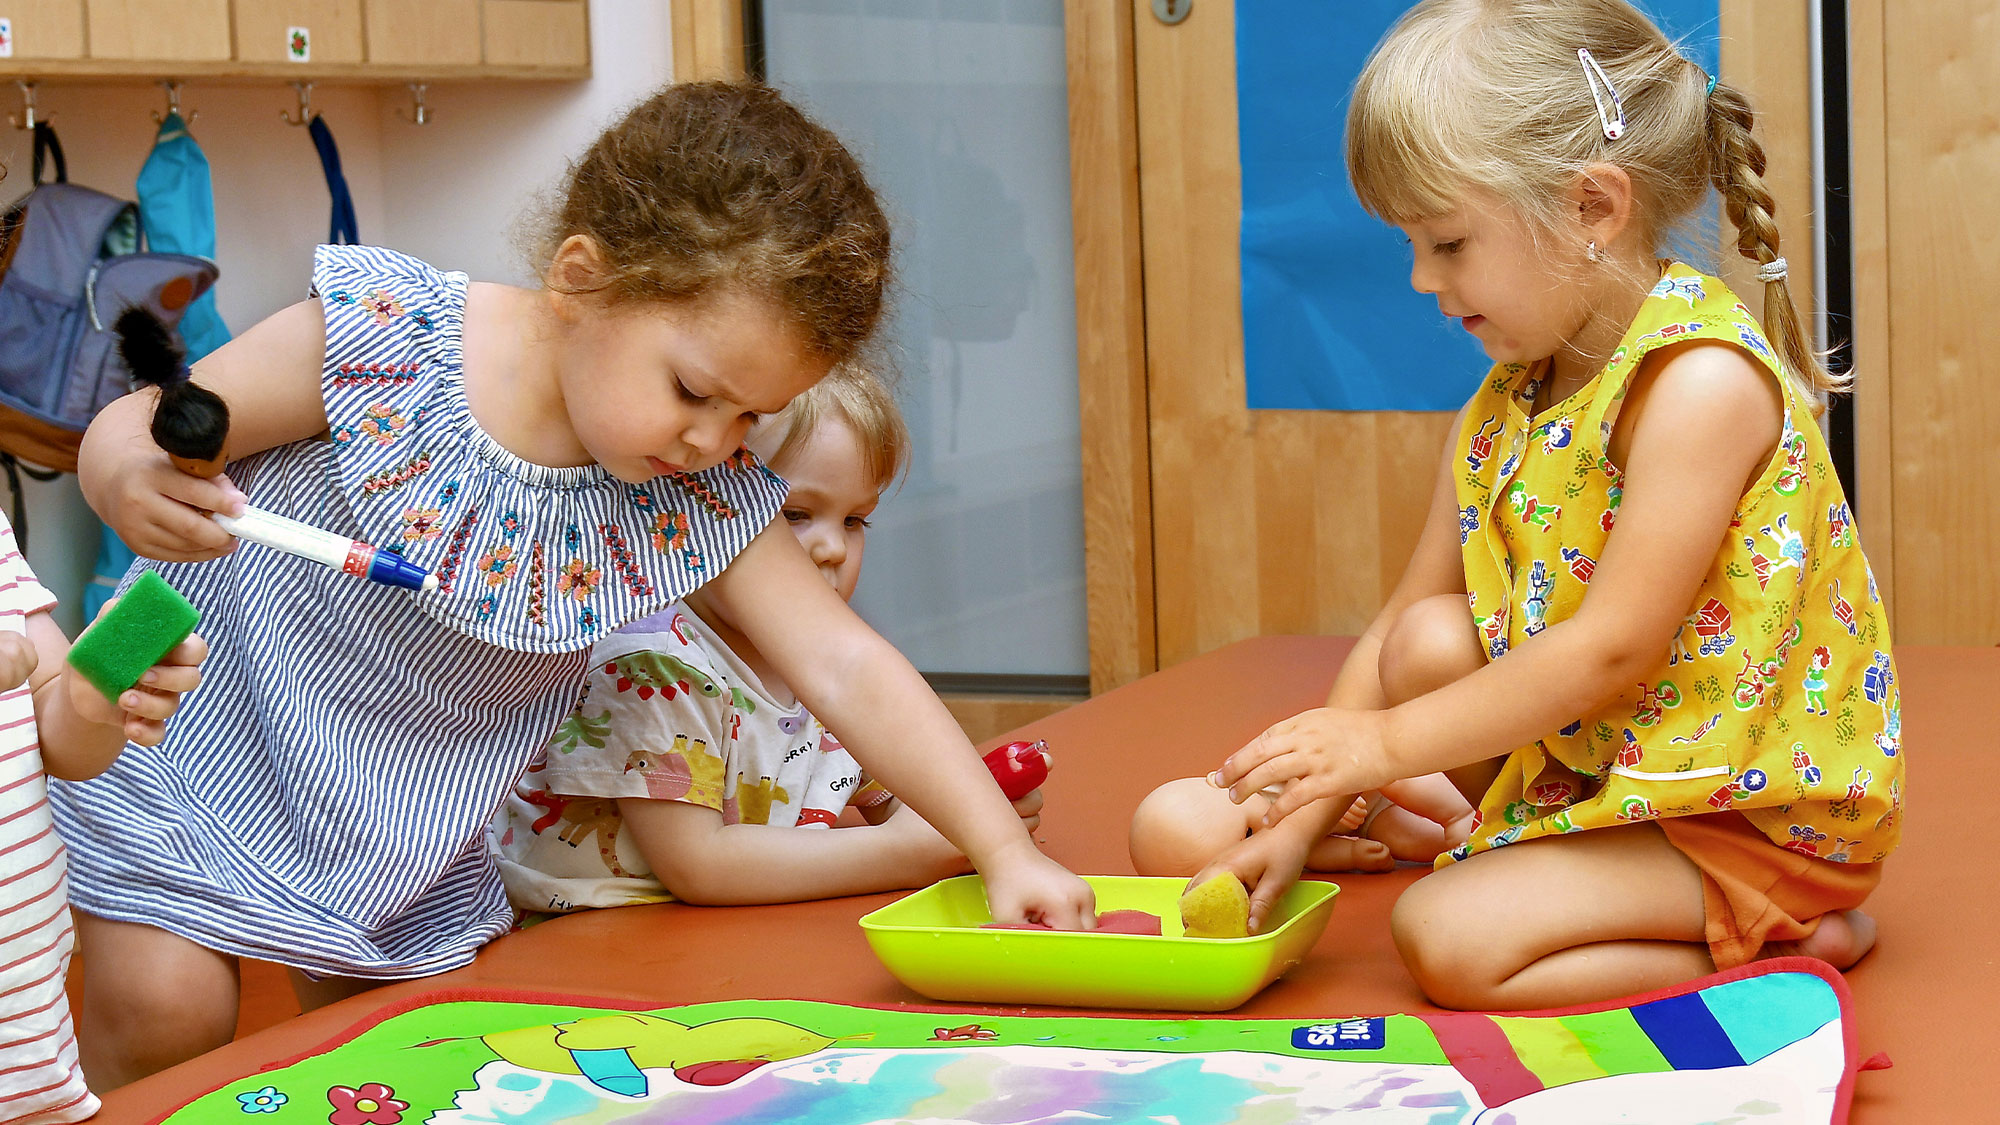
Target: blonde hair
<point x="850" y="393"/>
<point x="1490" y="94"/>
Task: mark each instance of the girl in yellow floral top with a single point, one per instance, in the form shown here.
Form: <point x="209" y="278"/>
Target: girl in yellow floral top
<point x="1638" y="629"/>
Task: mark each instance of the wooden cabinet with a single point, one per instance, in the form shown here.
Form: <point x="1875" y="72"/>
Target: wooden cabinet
<point x="44" y="29"/>
<point x="537" y="33"/>
<point x="434" y="32"/>
<point x="166" y="30"/>
<point x="299" y="31"/>
<point x="345" y="41"/>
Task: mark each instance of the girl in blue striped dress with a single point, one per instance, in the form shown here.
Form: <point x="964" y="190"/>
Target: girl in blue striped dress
<point x="565" y="460"/>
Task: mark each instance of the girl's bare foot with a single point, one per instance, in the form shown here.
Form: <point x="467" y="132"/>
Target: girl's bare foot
<point x="1842" y="939"/>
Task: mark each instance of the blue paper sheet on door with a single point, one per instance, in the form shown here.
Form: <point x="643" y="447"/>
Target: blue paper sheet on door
<point x="1329" y="319"/>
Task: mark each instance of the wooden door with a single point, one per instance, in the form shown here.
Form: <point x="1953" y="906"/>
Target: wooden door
<point x="1925" y="95"/>
<point x="1267" y="521"/>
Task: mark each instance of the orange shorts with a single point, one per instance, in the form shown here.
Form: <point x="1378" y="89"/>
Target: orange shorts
<point x="1754" y="891"/>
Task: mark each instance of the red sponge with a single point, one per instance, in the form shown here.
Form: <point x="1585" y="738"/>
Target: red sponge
<point x="1136" y="922"/>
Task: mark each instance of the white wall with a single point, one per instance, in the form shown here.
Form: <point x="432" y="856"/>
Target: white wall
<point x="453" y="191"/>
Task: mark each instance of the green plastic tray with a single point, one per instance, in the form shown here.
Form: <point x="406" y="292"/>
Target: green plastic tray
<point x="932" y="942"/>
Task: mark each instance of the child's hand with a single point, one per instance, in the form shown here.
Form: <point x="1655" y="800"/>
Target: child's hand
<point x="155" y="508"/>
<point x="1317" y="754"/>
<point x="1267" y="863"/>
<point x="1023" y="885"/>
<point x="17" y="660"/>
<point x="143" y="710"/>
<point x="1029" y="807"/>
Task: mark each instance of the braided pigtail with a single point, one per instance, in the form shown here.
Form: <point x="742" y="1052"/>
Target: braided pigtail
<point x="1736" y="164"/>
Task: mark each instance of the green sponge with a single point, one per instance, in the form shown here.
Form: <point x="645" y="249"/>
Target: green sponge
<point x="149" y="619"/>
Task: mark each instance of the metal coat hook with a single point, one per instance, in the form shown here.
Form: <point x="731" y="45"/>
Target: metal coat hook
<point x="27" y="118"/>
<point x="418" y="115"/>
<point x="306" y="111"/>
<point x="173" y="89"/>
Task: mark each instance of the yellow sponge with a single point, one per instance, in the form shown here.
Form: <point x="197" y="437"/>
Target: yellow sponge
<point x="1218" y="908"/>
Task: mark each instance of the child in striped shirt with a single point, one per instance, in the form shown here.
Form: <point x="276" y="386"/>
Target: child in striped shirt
<point x="52" y="720"/>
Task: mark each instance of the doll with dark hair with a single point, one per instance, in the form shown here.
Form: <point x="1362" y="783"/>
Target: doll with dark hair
<point x="190" y="421"/>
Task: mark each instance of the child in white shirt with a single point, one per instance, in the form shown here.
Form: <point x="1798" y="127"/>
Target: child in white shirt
<point x="689" y="770"/>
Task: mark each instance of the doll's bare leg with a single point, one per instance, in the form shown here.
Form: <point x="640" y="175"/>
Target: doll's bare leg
<point x="1419" y="817"/>
<point x="1183" y="825"/>
<point x="1434" y="643"/>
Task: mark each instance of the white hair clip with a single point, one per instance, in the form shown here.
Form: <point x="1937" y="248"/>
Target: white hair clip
<point x="1613" y="117"/>
<point x="1773" y="270"/>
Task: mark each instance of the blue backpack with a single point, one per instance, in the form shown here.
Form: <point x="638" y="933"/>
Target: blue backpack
<point x="71" y="260"/>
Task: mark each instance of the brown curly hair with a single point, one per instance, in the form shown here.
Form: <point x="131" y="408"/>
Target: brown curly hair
<point x="713" y="185"/>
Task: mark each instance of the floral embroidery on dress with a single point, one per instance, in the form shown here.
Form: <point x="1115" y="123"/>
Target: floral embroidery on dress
<point x="578" y="580"/>
<point x="621" y="557"/>
<point x="377" y="374"/>
<point x="537" y="582"/>
<point x="670" y="531"/>
<point x="447" y="573"/>
<point x="384" y="305"/>
<point x="379" y="423"/>
<point x="498" y="564"/>
<point x="388" y="480"/>
<point x="421" y="524"/>
<point x="710" y="498"/>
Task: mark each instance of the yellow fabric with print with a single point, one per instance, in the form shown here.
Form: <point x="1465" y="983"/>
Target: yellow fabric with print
<point x="1778" y="697"/>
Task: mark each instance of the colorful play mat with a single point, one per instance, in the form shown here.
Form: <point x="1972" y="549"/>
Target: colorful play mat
<point x="1771" y="1042"/>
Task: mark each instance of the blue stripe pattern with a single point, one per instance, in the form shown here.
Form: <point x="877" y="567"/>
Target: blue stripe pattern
<point x="1687" y="1033"/>
<point x="321" y="800"/>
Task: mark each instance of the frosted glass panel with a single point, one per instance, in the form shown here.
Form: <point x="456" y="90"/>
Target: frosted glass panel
<point x="959" y="112"/>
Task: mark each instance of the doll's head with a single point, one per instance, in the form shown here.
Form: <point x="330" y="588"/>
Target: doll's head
<point x="190" y="421"/>
<point x="1183" y="825"/>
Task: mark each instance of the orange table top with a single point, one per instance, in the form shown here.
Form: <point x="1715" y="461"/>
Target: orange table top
<point x="1927" y="995"/>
